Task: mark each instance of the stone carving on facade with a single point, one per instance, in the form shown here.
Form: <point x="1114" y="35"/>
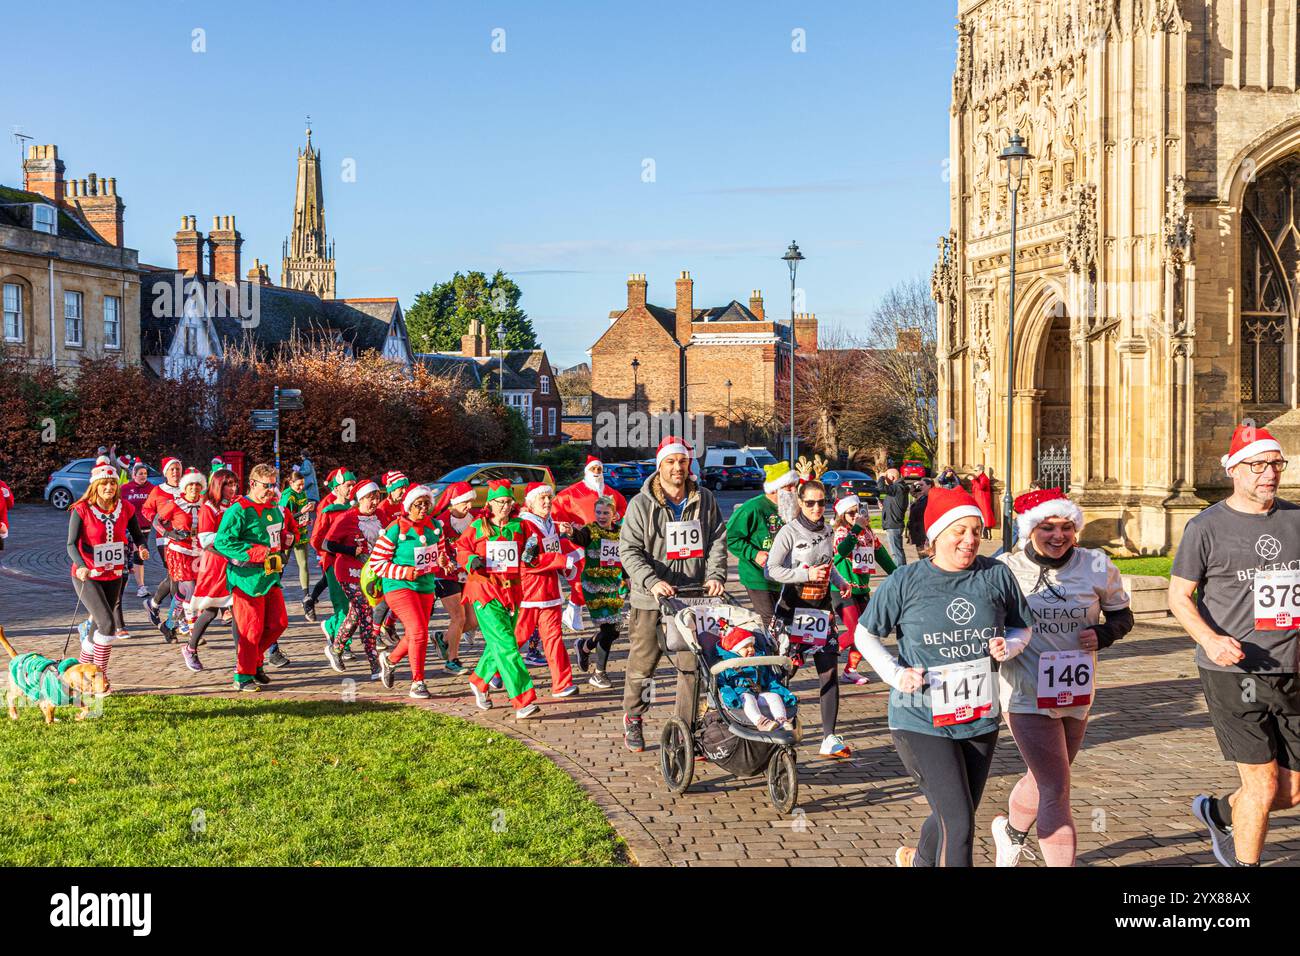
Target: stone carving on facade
<point x="1179" y="230"/>
<point x="1081" y="238"/>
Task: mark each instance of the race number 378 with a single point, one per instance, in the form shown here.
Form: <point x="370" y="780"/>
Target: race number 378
<point x="684" y="540"/>
<point x="1277" y="600"/>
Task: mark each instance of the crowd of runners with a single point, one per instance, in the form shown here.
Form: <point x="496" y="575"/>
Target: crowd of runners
<point x="975" y="639"/>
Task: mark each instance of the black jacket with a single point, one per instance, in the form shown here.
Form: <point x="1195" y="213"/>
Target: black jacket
<point x="893" y="509"/>
<point x="916" y="522"/>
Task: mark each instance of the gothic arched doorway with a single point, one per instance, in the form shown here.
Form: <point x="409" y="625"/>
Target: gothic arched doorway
<point x="1052" y="434"/>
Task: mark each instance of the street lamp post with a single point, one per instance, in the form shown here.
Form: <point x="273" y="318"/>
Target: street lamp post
<point x="728" y="385"/>
<point x="636" y="365"/>
<point x="1016" y="155"/>
<point x="501" y="372"/>
<point x="792" y="258"/>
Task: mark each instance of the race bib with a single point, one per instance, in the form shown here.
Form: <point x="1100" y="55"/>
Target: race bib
<point x="864" y="560"/>
<point x="426" y="558"/>
<point x="551" y="545"/>
<point x="1277" y="600"/>
<point x="110" y="556"/>
<point x="1064" y="678"/>
<point x="609" y="553"/>
<point x="810" y="626"/>
<point x="273" y="535"/>
<point x="685" y="540"/>
<point x="502" y="557"/>
<point x="960" y="693"/>
<point x="708" y="620"/>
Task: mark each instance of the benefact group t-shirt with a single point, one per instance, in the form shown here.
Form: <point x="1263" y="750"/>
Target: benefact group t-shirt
<point x="1243" y="564"/>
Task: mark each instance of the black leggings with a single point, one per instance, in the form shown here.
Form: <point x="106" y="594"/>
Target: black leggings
<point x="103" y="601"/>
<point x="317" y="588"/>
<point x="206" y="617"/>
<point x="163" y="591"/>
<point x="951" y="774"/>
<point x="602" y="642"/>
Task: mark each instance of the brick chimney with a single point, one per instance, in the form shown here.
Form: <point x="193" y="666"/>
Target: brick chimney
<point x="685" y="307"/>
<point x="224" y="243"/>
<point x="43" y="172"/>
<point x="99" y="204"/>
<point x="636" y="288"/>
<point x="805" y="332"/>
<point x="756" y="303"/>
<point x="474" y="341"/>
<point x="258" y="275"/>
<point x="189" y="248"/>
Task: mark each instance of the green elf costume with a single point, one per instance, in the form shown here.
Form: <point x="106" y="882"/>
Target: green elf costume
<point x="751" y="530"/>
<point x="39" y="678"/>
<point x="859" y="554"/>
<point x="296" y="502"/>
<point x="331" y="509"/>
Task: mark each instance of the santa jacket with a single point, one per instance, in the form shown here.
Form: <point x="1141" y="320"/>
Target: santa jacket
<point x="327" y="512"/>
<point x="452" y="529"/>
<point x="160" y="495"/>
<point x="541" y="587"/>
<point x="576" y="504"/>
<point x="482" y="587"/>
<point x="350" y="540"/>
<point x="179" y="515"/>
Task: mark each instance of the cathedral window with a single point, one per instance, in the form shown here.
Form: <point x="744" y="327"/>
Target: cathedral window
<point x="1270" y="267"/>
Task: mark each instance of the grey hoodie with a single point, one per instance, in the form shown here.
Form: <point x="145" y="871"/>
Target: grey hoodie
<point x="795" y="549"/>
<point x="641" y="542"/>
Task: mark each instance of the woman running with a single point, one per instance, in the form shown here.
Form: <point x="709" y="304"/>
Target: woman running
<point x="801" y="561"/>
<point x="169" y="490"/>
<point x="453" y="513"/>
<point x="349" y="541"/>
<point x="294" y="497"/>
<point x="135" y="493"/>
<point x="954" y="613"/>
<point x="602" y="588"/>
<point x="211" y="592"/>
<point x="180" y="521"/>
<point x="99" y="526"/>
<point x="1047" y="691"/>
<point x="858" y="553"/>
<point x="405" y="557"/>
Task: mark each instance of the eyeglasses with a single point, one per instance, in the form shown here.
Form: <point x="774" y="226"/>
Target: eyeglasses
<point x="269" y="485"/>
<point x="813" y="502"/>
<point x="1257" y="467"/>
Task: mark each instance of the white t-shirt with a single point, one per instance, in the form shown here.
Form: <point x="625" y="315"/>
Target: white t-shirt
<point x="1064" y="601"/>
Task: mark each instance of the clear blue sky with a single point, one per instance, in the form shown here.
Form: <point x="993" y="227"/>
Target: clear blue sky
<point x="528" y="160"/>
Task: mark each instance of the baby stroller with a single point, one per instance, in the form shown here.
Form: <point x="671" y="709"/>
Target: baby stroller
<point x="722" y="736"/>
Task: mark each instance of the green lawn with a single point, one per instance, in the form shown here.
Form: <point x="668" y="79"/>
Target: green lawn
<point x="1154" y="566"/>
<point x="183" y="781"/>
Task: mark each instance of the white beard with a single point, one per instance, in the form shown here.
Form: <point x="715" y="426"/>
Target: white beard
<point x="595" y="484"/>
<point x="787" y="504"/>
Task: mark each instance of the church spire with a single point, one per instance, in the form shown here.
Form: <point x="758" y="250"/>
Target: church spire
<point x="308" y="257"/>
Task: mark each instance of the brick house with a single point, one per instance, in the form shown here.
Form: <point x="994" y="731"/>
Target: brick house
<point x="68" y="286"/>
<point x="527" y="383"/>
<point x="687" y="355"/>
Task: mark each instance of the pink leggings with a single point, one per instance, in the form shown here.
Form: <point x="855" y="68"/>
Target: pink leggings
<point x="1049" y="745"/>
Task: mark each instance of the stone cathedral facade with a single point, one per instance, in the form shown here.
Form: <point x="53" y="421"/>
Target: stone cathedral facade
<point x="1158" y="249"/>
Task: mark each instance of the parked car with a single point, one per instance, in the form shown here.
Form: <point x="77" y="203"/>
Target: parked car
<point x="71" y="481"/>
<point x="718" y="478"/>
<point x="625" y="478"/>
<point x="912" y="469"/>
<point x="478" y="476"/>
<point x="858" y="483"/>
<point x="648" y="467"/>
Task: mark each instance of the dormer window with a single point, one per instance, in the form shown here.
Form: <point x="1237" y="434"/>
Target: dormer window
<point x="45" y="219"/>
<point x="546" y="385"/>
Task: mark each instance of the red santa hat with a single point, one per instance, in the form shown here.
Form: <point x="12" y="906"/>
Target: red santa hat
<point x="738" y="638"/>
<point x="846" y="503"/>
<point x="1248" y="441"/>
<point x="943" y="506"/>
<point x="415" y="494"/>
<point x="1035" y="507"/>
<point x="537" y="488"/>
<point x="592" y="460"/>
<point x="368" y="488"/>
<point x="453" y="494"/>
<point x="672" y="445"/>
<point x="192" y="477"/>
<point x="168" y="462"/>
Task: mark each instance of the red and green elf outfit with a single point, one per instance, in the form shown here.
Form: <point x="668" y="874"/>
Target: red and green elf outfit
<point x="405" y="558"/>
<point x="328" y="513"/>
<point x="249" y="532"/>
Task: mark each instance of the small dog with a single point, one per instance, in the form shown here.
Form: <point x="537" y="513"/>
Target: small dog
<point x="43" y="682"/>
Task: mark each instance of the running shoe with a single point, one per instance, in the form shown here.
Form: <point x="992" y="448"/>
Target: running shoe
<point x="418" y="691"/>
<point x="122" y="636"/>
<point x="495" y="683"/>
<point x="481" y="698"/>
<point x="440" y="638"/>
<point x="835" y="748"/>
<point x="260" y="676"/>
<point x="1220" y="837"/>
<point x="168" y="633"/>
<point x="853" y="677"/>
<point x="142" y="591"/>
<point x="633" y="734"/>
<point x="155" y="618"/>
<point x="1009" y="851"/>
<point x="535" y="658"/>
<point x="386" y="668"/>
<point x="309" y="609"/>
<point x="246" y="686"/>
<point x="276" y="657"/>
<point x="388" y="636"/>
<point x="524" y="713"/>
<point x="567" y="692"/>
<point x="333" y="657"/>
<point x="455" y="667"/>
<point x="376" y="672"/>
<point x="600" y="679"/>
<point x="347" y="654"/>
<point x="905" y="856"/>
<point x="191" y="658"/>
<point x="584" y="654"/>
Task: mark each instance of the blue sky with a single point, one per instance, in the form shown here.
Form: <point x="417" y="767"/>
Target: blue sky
<point x="530" y="159"/>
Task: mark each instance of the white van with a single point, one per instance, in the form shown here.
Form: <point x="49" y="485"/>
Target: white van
<point x="726" y="457"/>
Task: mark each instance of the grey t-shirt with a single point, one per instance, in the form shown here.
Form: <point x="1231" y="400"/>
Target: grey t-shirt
<point x="1222" y="550"/>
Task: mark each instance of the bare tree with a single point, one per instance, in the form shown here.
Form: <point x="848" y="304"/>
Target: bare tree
<point x="574" y="386"/>
<point x="902" y="337"/>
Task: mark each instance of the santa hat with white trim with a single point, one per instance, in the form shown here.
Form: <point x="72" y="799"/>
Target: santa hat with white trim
<point x="592" y="460"/>
<point x="415" y="494"/>
<point x="778" y="475"/>
<point x="943" y="506"/>
<point x="1035" y="507"/>
<point x="192" y="477"/>
<point x="168" y="462"/>
<point x="454" y="494"/>
<point x="672" y="445"/>
<point x="367" y="489"/>
<point x="846" y="503"/>
<point x="737" y="638"/>
<point x="1248" y="441"/>
<point x="537" y="488"/>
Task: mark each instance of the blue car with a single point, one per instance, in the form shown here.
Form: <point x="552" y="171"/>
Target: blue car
<point x="71" y="481"/>
<point x="625" y="479"/>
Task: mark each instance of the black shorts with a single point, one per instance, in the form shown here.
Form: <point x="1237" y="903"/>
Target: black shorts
<point x="1256" y="717"/>
<point x="445" y="587"/>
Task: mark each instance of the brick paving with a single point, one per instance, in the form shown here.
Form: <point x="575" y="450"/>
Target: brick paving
<point x="1150" y="747"/>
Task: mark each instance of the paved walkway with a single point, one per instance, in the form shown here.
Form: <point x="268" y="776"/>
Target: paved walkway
<point x="1150" y="747"/>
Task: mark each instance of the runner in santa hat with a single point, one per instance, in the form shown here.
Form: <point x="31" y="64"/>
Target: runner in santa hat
<point x="349" y="542"/>
<point x="453" y="512"/>
<point x="135" y="492"/>
<point x="1233" y="589"/>
<point x="859" y="554"/>
<point x="211" y="592"/>
<point x="953" y="613"/>
<point x="180" y="521"/>
<point x="169" y="490"/>
<point x="576" y="505"/>
<point x="542" y="606"/>
<point x="395" y="485"/>
<point x="335" y="505"/>
<point x="1047" y="690"/>
<point x="332" y="481"/>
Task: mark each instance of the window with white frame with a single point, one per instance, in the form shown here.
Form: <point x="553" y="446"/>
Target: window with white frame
<point x="546" y="385"/>
<point x="13" y="309"/>
<point x="537" y="422"/>
<point x="551" y="412"/>
<point x="112" y="322"/>
<point x="45" y="219"/>
<point x="72" y="319"/>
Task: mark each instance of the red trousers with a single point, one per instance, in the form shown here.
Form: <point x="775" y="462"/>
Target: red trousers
<point x="412" y="609"/>
<point x="546" y="622"/>
<point x="849" y="614"/>
<point x="259" y="622"/>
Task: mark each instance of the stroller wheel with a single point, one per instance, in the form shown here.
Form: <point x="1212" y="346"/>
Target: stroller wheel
<point x="783" y="780"/>
<point x="677" y="755"/>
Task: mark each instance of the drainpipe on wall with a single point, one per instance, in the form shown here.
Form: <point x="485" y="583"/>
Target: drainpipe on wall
<point x="54" y="361"/>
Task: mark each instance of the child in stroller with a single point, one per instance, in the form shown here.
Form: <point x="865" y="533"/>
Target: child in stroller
<point x="755" y="690"/>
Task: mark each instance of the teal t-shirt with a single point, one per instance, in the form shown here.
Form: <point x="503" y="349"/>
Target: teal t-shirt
<point x="941" y="619"/>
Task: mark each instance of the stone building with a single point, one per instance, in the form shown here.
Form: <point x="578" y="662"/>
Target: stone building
<point x="69" y="287"/>
<point x="308" y="261"/>
<point x="721" y="363"/>
<point x="1158" y="263"/>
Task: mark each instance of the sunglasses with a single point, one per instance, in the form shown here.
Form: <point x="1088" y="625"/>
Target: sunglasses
<point x="813" y="502"/>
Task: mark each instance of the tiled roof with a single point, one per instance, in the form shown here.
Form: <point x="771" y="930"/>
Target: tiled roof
<point x="70" y="225"/>
<point x="523" y="367"/>
<point x="732" y="312"/>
